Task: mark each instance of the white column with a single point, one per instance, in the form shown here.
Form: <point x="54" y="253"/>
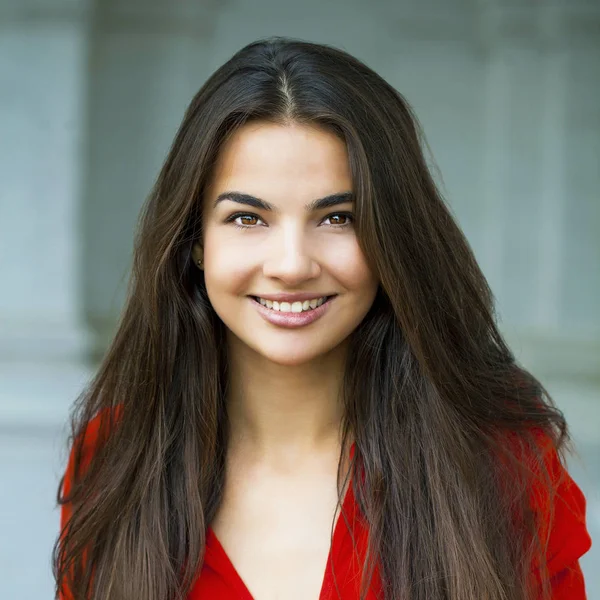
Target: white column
<point x="511" y="186"/>
<point x="551" y="232"/>
<point x="581" y="292"/>
<point x="148" y="58"/>
<point x="495" y="163"/>
<point x="43" y="340"/>
<point x="43" y="53"/>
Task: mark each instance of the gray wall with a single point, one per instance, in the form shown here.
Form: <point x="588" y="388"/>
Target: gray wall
<point x="91" y="95"/>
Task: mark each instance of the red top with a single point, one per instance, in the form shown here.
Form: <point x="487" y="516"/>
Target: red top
<point x="218" y="578"/>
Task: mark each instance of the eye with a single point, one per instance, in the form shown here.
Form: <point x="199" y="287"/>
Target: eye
<point x="348" y="217"/>
<point x="233" y="218"/>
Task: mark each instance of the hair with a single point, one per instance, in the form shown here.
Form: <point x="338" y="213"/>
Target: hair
<point x="444" y="419"/>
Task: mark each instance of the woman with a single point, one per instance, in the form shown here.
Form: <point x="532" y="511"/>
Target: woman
<point x="307" y="395"/>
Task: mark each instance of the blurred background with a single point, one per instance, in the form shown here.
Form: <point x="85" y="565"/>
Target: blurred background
<point x="91" y="94"/>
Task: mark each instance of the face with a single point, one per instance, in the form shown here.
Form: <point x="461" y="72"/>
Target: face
<point x="284" y="246"/>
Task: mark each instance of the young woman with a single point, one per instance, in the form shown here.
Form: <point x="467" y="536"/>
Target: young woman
<point x="307" y="396"/>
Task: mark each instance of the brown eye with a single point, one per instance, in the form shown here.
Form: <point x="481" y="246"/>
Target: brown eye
<point x="247" y="217"/>
<point x="346" y="219"/>
<point x="235" y="219"/>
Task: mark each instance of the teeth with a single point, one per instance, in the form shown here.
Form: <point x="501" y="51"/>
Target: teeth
<point x="294" y="307"/>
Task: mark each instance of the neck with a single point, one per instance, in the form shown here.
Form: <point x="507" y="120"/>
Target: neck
<point x="282" y="412"/>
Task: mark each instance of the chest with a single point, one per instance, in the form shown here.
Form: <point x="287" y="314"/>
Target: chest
<point x="278" y="534"/>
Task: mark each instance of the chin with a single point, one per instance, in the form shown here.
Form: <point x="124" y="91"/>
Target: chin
<point x="291" y="351"/>
<point x="290" y="356"/>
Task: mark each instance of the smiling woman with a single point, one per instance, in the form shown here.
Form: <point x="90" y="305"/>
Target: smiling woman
<point x="307" y="396"/>
<point x="293" y="175"/>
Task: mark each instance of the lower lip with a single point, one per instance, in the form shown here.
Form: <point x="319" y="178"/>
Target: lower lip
<point x="289" y="319"/>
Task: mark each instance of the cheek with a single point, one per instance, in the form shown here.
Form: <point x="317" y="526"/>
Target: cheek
<point x="348" y="265"/>
<point x="225" y="262"/>
<point x="224" y="276"/>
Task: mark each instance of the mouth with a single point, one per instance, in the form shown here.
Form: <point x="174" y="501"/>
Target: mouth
<point x="308" y="310"/>
<point x="292" y="319"/>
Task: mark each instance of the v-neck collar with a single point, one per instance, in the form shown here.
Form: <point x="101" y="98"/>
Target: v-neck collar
<point x="216" y="557"/>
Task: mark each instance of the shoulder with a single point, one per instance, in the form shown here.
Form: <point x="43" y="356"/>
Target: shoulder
<point x="560" y="507"/>
<point x="92" y="433"/>
<point x="82" y="450"/>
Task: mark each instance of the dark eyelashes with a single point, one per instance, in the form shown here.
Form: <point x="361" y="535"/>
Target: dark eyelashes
<point x="234" y="216"/>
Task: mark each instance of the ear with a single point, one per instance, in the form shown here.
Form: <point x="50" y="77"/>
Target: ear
<point x="197" y="252"/>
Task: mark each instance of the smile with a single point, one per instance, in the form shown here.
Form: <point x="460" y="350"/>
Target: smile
<point x="292" y="315"/>
<point x="292" y="307"/>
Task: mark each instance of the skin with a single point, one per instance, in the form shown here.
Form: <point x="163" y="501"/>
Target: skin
<point x="283" y="403"/>
<point x="285" y="382"/>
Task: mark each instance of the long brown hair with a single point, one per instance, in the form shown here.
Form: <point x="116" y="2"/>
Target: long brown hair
<point x="432" y="392"/>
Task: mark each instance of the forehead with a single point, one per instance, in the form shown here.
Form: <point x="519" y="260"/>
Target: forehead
<point x="278" y="160"/>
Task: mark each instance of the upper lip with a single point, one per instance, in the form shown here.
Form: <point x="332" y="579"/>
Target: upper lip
<point x="296" y="297"/>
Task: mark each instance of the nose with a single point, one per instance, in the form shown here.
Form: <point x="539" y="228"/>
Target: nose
<point x="289" y="257"/>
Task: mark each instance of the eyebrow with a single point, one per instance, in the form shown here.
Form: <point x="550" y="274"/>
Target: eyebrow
<point x="318" y="204"/>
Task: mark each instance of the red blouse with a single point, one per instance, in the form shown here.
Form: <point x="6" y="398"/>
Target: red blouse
<point x="218" y="578"/>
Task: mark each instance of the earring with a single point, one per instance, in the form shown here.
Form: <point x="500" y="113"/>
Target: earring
<point x="200" y="263"/>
